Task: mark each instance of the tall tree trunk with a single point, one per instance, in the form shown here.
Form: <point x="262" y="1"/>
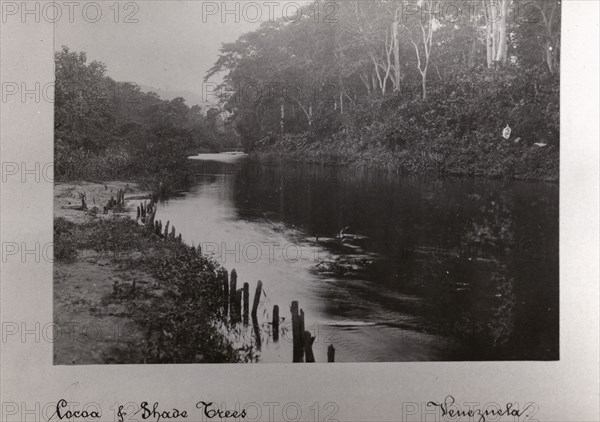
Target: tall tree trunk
<point x="489" y="34"/>
<point x="548" y="21"/>
<point x="307" y="113"/>
<point x="396" y="41"/>
<point x="472" y="49"/>
<point x="489" y="44"/>
<point x="502" y="49"/>
<point x="423" y="60"/>
<point x="496" y="34"/>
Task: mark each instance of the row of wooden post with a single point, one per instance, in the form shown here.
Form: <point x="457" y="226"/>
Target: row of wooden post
<point x="237" y="303"/>
<point x="146" y="212"/>
<point x="302" y="339"/>
<point x="113" y="202"/>
<point x="118" y="202"/>
<point x="165" y="233"/>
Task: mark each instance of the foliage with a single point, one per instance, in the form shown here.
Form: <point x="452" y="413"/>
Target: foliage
<point x="110" y="130"/>
<point x="367" y="89"/>
<point x="180" y="315"/>
<point x="64" y="246"/>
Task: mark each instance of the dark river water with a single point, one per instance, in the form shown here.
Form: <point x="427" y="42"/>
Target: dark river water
<point x="385" y="267"/>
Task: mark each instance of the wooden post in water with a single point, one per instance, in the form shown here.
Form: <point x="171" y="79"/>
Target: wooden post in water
<point x="152" y="215"/>
<point x="232" y="286"/>
<point x="331" y="353"/>
<point x="298" y="352"/>
<point x="83" y="201"/>
<point x="238" y="305"/>
<point x="275" y="323"/>
<point x="301" y="326"/>
<point x="256" y="329"/>
<point x="256" y="299"/>
<point x="308" y="342"/>
<point x="246" y="302"/>
<point x="225" y="278"/>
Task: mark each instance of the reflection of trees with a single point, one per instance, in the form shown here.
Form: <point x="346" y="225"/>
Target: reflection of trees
<point x="517" y="229"/>
<point x="500" y="327"/>
<point x="491" y="228"/>
<point x="491" y="237"/>
<point x="474" y="301"/>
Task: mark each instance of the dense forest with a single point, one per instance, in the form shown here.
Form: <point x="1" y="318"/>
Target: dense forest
<point x="469" y="88"/>
<point x="112" y="130"/>
<point x="413" y="86"/>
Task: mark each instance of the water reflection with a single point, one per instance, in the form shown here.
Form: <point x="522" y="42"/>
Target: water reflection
<point x="386" y="268"/>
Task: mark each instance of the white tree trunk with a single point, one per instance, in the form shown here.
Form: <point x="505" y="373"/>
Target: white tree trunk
<point x="396" y="51"/>
<point x="502" y="49"/>
<point x="496" y="13"/>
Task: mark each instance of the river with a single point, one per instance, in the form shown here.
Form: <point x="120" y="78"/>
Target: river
<point x="385" y="267"/>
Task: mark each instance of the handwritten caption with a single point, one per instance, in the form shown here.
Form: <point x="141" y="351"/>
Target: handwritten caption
<point x="448" y="409"/>
<point x="201" y="411"/>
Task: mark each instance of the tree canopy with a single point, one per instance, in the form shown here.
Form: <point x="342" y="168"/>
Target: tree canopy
<point x="305" y="74"/>
<point x="105" y="128"/>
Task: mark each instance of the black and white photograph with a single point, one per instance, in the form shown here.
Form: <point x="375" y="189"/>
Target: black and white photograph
<point x="299" y="210"/>
<point x="318" y="181"/>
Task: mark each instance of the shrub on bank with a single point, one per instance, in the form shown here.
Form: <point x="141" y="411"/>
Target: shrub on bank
<point x="457" y="130"/>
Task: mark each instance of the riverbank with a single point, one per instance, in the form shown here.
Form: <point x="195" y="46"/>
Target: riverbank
<point x="123" y="293"/>
<point x="498" y="123"/>
<point x="475" y="157"/>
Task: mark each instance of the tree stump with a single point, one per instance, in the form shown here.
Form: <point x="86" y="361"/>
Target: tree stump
<point x="331" y="353"/>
